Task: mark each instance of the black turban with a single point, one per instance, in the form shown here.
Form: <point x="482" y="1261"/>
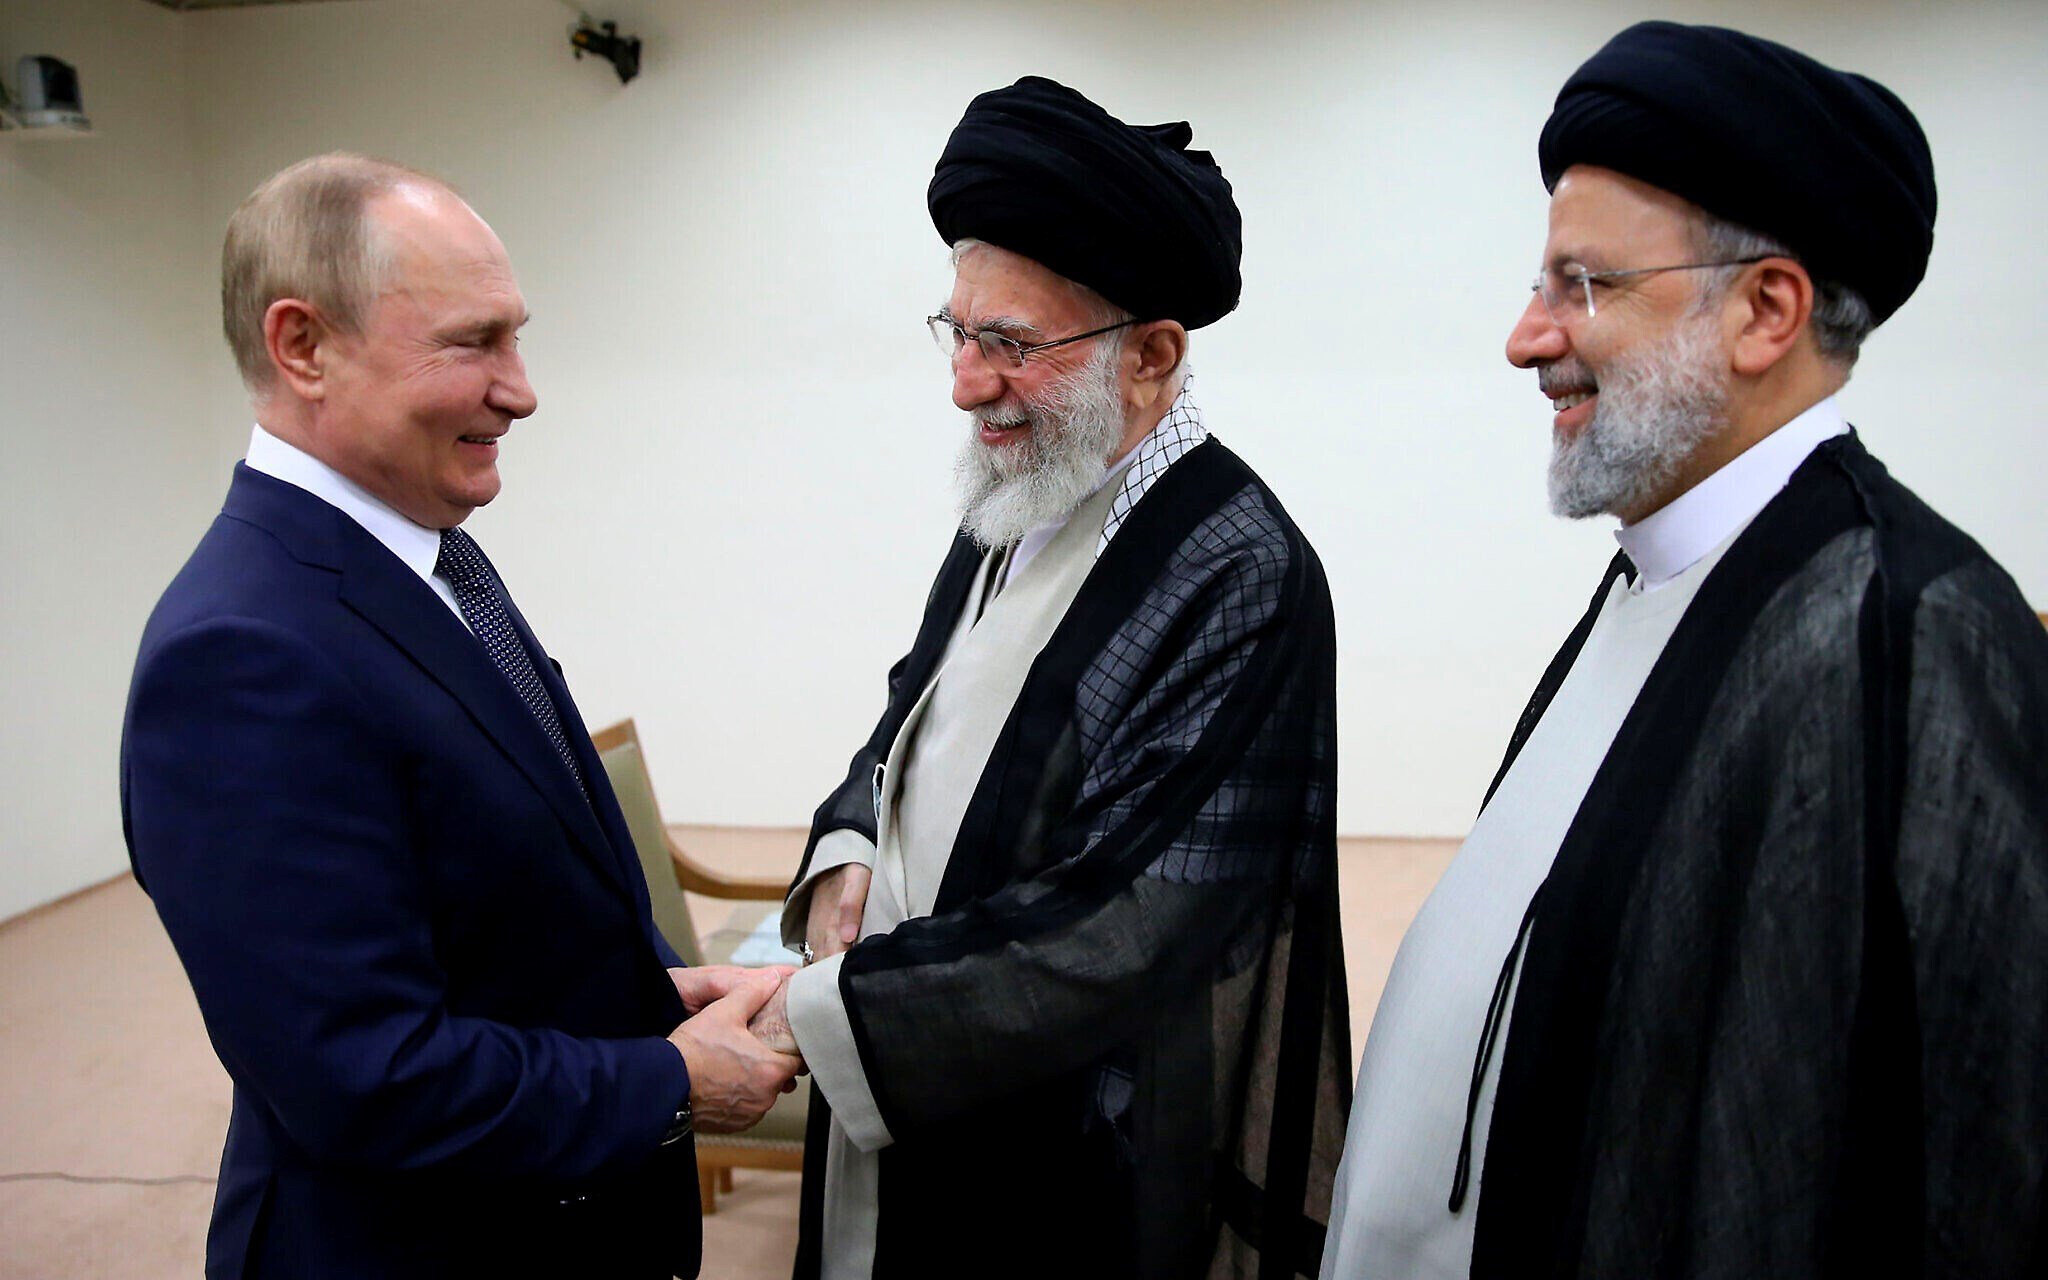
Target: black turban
<point x="1127" y="210"/>
<point x="1828" y="162"/>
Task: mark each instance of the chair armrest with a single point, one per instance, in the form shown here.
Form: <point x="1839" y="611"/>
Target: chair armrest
<point x="695" y="877"/>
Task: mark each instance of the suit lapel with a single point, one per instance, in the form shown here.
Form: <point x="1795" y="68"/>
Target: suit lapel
<point x="603" y="804"/>
<point x="392" y="598"/>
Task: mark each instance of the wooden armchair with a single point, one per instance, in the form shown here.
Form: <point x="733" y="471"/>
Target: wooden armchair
<point x="778" y="1141"/>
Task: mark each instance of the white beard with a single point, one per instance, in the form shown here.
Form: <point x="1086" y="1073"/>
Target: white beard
<point x="1007" y="491"/>
<point x="1656" y="406"/>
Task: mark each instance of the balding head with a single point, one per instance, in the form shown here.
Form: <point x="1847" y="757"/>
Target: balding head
<point x="305" y="233"/>
<point x="376" y="318"/>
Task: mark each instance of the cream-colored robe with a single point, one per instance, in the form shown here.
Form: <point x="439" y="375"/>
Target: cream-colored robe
<point x="922" y="792"/>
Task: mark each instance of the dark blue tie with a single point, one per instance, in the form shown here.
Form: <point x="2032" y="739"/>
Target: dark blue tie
<point x="483" y="606"/>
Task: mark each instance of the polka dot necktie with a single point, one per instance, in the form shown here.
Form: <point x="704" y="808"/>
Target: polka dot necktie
<point x="483" y="606"/>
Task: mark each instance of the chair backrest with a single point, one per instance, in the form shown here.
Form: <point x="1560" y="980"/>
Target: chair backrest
<point x="623" y="764"/>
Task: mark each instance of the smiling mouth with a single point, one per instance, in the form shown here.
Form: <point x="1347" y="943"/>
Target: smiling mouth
<point x="1571" y="400"/>
<point x="479" y="439"/>
<point x="989" y="428"/>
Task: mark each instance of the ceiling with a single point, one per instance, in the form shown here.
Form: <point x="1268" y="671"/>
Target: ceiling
<point x="183" y="5"/>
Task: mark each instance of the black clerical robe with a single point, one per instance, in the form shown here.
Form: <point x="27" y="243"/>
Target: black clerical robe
<point x="1119" y="1045"/>
<point x="1784" y="1005"/>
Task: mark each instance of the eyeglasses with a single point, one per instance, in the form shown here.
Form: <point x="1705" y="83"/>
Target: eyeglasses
<point x="1003" y="353"/>
<point x="1565" y="293"/>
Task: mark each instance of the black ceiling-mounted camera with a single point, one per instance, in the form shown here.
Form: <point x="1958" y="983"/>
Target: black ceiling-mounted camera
<point x="604" y="40"/>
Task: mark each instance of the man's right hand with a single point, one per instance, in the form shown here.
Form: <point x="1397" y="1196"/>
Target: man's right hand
<point x="734" y="1078"/>
<point x="837" y="901"/>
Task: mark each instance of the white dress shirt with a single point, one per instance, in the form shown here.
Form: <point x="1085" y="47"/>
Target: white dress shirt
<point x="417" y="546"/>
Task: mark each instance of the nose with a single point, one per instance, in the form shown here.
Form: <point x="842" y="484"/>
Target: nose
<point x="1536" y="338"/>
<point x="975" y="380"/>
<point x="511" y="394"/>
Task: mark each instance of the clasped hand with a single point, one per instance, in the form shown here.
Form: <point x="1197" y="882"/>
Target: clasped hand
<point x="735" y="1074"/>
<point x="737" y="1040"/>
<point x="837" y="901"/>
<point x="834" y="922"/>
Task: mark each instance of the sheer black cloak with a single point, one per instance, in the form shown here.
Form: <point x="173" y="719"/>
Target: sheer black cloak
<point x="1784" y="1010"/>
<point x="1119" y="1045"/>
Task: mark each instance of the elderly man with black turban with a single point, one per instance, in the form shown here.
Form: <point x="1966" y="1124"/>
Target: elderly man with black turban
<point x="1092" y="1018"/>
<point x="1743" y="969"/>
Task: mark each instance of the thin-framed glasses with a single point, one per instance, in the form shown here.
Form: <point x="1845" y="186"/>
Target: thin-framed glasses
<point x="1004" y="353"/>
<point x="1564" y="293"/>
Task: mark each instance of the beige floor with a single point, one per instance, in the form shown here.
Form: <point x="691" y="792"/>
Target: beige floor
<point x="105" y="1072"/>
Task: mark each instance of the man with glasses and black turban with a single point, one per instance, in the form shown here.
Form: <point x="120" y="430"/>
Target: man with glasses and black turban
<point x="1743" y="969"/>
<point x="1075" y="995"/>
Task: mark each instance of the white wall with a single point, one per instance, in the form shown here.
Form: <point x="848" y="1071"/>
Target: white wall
<point x="105" y="470"/>
<point x="726" y="513"/>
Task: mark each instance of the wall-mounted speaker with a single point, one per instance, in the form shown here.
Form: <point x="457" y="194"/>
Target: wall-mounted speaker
<point x="46" y="94"/>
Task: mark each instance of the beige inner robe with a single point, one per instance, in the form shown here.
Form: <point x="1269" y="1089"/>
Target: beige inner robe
<point x="923" y="790"/>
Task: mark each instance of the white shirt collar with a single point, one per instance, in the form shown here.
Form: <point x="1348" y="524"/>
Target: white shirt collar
<point x="418" y="546"/>
<point x="1672" y="538"/>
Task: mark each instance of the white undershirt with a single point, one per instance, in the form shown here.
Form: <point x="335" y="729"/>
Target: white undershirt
<point x="1391" y="1216"/>
<point x="416" y="545"/>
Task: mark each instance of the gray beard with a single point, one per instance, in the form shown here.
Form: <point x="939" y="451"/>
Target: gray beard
<point x="1656" y="406"/>
<point x="1006" y="492"/>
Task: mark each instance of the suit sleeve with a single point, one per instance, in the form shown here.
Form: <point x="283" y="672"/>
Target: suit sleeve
<point x="269" y="822"/>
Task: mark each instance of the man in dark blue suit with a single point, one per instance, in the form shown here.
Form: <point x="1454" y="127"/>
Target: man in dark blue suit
<point x="365" y="806"/>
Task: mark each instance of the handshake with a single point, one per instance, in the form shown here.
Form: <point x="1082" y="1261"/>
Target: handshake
<point x="736" y="1042"/>
<point x="736" y="1039"/>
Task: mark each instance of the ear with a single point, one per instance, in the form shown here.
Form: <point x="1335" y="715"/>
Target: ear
<point x="1776" y="297"/>
<point x="299" y="341"/>
<point x="1161" y="346"/>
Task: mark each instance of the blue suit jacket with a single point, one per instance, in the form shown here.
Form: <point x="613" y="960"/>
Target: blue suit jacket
<point x="424" y="958"/>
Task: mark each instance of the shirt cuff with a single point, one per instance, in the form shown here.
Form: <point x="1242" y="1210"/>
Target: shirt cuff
<point x="835" y="848"/>
<point x="824" y="1035"/>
